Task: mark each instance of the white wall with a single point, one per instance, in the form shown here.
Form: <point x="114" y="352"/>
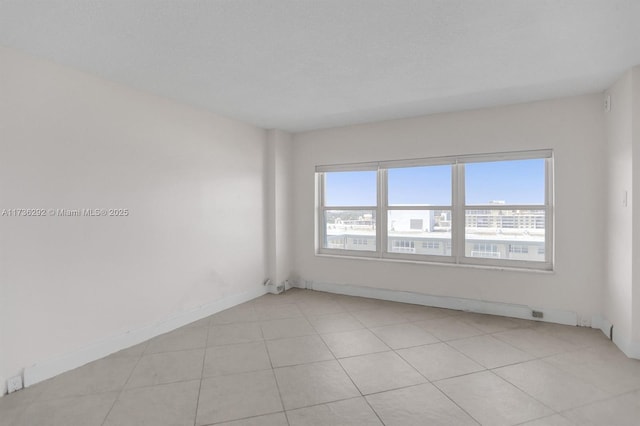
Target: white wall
<point x="635" y="336"/>
<point x="572" y="127"/>
<point x="617" y="307"/>
<point x="192" y="181"/>
<point x="279" y="215"/>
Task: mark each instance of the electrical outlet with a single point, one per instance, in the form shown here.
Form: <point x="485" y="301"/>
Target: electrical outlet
<point x="537" y="314"/>
<point x="14" y="383"/>
<point x="607" y="103"/>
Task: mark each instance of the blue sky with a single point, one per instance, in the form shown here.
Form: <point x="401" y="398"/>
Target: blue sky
<point x="515" y="182"/>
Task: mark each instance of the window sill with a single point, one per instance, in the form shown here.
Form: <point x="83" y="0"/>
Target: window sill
<point x="447" y="264"/>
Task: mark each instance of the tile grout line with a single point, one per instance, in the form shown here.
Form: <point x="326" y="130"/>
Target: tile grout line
<point x="299" y="303"/>
<point x="431" y="383"/>
<point x="345" y="371"/>
<point x="275" y="378"/>
<point x="204" y="358"/>
<point x="354" y="384"/>
<point x="125" y="383"/>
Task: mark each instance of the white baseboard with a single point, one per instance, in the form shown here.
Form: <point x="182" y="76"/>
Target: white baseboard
<point x="3" y="386"/>
<point x="628" y="347"/>
<point x="601" y="323"/>
<point x="99" y="349"/>
<point x="458" y="303"/>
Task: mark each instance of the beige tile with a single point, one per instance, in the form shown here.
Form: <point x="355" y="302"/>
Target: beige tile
<point x="312" y="384"/>
<point x="320" y="307"/>
<point x="579" y="337"/>
<point x="350" y="412"/>
<point x="275" y="299"/>
<point x="450" y="328"/>
<point x="23" y="396"/>
<point x="204" y="322"/>
<point x="494" y="323"/>
<point x="281" y="311"/>
<point x="352" y="343"/>
<point x="297" y="350"/>
<point x="550" y="385"/>
<point x="237" y="396"/>
<point x="354" y="303"/>
<point x="104" y="375"/>
<point x="604" y="366"/>
<point x="380" y="372"/>
<point x="335" y="323"/>
<point x="582" y="371"/>
<point x="491" y="400"/>
<point x="379" y="317"/>
<point x="230" y="334"/>
<point x="240" y="313"/>
<point x="623" y="410"/>
<point x="418" y="405"/>
<point x="533" y="342"/>
<point x="422" y="313"/>
<point x="12" y="414"/>
<point x="276" y="419"/>
<point x="135" y="351"/>
<point x="167" y="367"/>
<point x="75" y="411"/>
<point x="233" y="359"/>
<point x="288" y="327"/>
<point x="404" y="336"/>
<point x="489" y="351"/>
<point x="555" y="420"/>
<point x="439" y="361"/>
<point x="172" y="404"/>
<point x="179" y="340"/>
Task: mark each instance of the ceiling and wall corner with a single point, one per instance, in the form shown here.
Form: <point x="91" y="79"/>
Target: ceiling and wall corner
<point x="298" y="66"/>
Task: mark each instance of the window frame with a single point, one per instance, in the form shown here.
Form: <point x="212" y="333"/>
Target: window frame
<point x="458" y="209"/>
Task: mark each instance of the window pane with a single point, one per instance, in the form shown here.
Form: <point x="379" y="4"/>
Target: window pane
<point x="430" y="185"/>
<point x="350" y="189"/>
<point x="350" y="229"/>
<point x="426" y="232"/>
<point x="505" y="234"/>
<point x="505" y="182"/>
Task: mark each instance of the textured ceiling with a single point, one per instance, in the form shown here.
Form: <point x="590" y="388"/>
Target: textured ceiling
<point x="299" y="65"/>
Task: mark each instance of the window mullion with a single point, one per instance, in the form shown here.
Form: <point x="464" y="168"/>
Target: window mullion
<point x="381" y="222"/>
<point x="549" y="214"/>
<point x="457" y="228"/>
<point x="321" y="225"/>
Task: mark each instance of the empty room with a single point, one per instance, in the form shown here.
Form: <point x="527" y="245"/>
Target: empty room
<point x="319" y="212"/>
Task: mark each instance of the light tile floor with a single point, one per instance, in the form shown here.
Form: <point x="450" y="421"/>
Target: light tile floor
<point x="311" y="358"/>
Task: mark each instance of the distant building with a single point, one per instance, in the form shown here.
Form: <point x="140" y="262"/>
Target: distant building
<point x="495" y="234"/>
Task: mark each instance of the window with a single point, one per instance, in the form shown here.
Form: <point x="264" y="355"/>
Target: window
<point x="481" y="209"/>
<point x="349" y="200"/>
<point x="485" y="250"/>
<point x="517" y="248"/>
<point x="431" y="245"/>
<point x="403" y="246"/>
